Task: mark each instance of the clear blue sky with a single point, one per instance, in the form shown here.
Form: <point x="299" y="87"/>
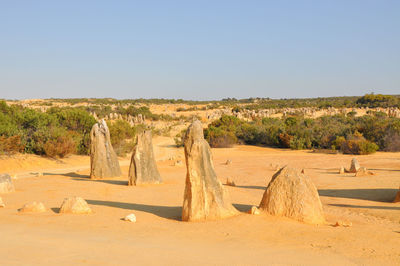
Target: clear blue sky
<point x="199" y="49"/>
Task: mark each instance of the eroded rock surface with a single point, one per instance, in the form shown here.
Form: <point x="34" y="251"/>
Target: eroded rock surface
<point x="75" y="205"/>
<point x="354" y="167"/>
<point x="33" y="207"/>
<point x="103" y="160"/>
<point x="6" y="184"/>
<point x="204" y="197"/>
<point x="292" y="194"/>
<point x="143" y="168"/>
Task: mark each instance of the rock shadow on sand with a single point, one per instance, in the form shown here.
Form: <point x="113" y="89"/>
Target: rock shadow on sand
<point x="371" y="194"/>
<point x="249" y="187"/>
<point x="167" y="212"/>
<point x="366" y="207"/>
<point x="106" y="181"/>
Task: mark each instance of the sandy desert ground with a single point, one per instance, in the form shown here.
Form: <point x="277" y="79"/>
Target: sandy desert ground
<point x="159" y="237"/>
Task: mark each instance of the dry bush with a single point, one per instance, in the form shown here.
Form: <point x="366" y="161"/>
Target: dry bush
<point x="392" y="141"/>
<point x="11" y="145"/>
<point x="226" y="141"/>
<point x="60" y="147"/>
<point x="285" y="139"/>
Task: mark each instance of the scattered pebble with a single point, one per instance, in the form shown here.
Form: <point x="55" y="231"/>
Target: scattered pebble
<point x="343" y="224"/>
<point x="254" y="210"/>
<point x="230" y="183"/>
<point x="130" y="218"/>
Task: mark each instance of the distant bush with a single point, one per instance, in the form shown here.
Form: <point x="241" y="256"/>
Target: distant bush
<point x="392" y="141"/>
<point x="121" y="134"/>
<point x="60" y="147"/>
<point x="357" y="144"/>
<point x="222" y="133"/>
<point x="377" y="100"/>
<point x="297" y="132"/>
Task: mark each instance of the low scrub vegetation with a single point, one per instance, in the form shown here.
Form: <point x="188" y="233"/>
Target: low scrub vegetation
<point x="349" y="134"/>
<point x="55" y="133"/>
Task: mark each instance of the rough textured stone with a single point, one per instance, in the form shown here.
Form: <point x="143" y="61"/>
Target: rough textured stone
<point x="143" y="168"/>
<point x="354" y="167"/>
<point x="6" y="184"/>
<point x="293" y="195"/>
<point x="204" y="197"/>
<point x="75" y="205"/>
<point x="130" y="218"/>
<point x="397" y="198"/>
<point x="33" y="207"/>
<point x="103" y="160"/>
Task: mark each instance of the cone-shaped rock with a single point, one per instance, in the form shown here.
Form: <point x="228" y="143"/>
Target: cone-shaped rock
<point x="103" y="160"/>
<point x="292" y="194"/>
<point x="354" y="167"/>
<point x="143" y="168"/>
<point x="204" y="197"/>
<point x="75" y="205"/>
<point x="6" y="184"/>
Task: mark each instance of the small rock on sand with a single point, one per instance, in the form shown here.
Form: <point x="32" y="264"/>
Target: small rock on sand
<point x="33" y="207"/>
<point x="230" y="182"/>
<point x="363" y="172"/>
<point x="2" y="205"/>
<point x="341" y="170"/>
<point x="75" y="205"/>
<point x="6" y="184"/>
<point x="254" y="210"/>
<point x="130" y="218"/>
<point x="344" y="224"/>
<point x="228" y="162"/>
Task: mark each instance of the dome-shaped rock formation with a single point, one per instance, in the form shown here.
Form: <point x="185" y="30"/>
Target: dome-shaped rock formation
<point x="292" y="194"/>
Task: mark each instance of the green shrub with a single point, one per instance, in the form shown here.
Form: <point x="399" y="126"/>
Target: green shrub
<point x="121" y="135"/>
<point x="357" y="144"/>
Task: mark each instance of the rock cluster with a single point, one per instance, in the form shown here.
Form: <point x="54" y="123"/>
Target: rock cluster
<point x="143" y="167"/>
<point x="204" y="197"/>
<point x="292" y="194"/>
<point x="6" y="184"/>
<point x="103" y="160"/>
